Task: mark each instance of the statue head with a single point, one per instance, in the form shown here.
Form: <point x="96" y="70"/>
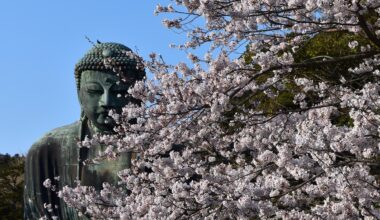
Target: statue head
<point x="103" y="77"/>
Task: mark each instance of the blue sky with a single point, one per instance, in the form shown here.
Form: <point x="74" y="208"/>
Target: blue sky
<point x="41" y="40"/>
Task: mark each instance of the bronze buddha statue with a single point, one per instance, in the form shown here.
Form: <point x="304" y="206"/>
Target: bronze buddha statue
<point x="103" y="77"/>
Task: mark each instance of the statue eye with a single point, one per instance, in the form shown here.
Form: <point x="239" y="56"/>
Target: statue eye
<point x="94" y="90"/>
<point x="119" y="90"/>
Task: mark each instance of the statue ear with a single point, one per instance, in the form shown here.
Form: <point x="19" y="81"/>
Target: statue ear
<point x="79" y="99"/>
<point x="82" y="115"/>
<point x="83" y="122"/>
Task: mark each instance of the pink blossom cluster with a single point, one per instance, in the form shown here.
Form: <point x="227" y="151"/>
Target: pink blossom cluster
<point x="196" y="161"/>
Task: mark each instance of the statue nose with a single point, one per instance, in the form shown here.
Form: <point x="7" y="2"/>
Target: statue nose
<point x="105" y="99"/>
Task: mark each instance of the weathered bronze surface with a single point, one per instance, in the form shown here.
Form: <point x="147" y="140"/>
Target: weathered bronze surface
<point x="57" y="153"/>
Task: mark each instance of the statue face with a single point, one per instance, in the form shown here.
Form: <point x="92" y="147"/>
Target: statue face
<point x="99" y="92"/>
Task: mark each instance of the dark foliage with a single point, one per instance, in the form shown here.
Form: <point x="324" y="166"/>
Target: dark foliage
<point x="11" y="186"/>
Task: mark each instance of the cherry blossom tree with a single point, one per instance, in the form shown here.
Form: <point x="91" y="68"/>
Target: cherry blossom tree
<point x="215" y="140"/>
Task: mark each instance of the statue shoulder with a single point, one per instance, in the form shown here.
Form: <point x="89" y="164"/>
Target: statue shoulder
<point x="64" y="131"/>
<point x="56" y="137"/>
<point x="52" y="155"/>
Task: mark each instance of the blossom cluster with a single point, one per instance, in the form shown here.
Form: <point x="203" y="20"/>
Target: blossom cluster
<point x="204" y="153"/>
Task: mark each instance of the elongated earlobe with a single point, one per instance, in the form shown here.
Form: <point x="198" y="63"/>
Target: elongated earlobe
<point x="82" y="125"/>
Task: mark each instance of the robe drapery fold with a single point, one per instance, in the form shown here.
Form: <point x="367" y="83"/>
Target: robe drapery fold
<point x="57" y="155"/>
<point x="54" y="155"/>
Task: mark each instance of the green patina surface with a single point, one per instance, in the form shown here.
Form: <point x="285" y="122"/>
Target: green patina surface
<point x="57" y="153"/>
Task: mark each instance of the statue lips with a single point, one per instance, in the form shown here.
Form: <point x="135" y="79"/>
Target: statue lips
<point x="102" y="113"/>
<point x="104" y="117"/>
<point x="103" y="110"/>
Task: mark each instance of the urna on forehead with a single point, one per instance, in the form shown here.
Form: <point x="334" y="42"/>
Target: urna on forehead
<point x="112" y="58"/>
